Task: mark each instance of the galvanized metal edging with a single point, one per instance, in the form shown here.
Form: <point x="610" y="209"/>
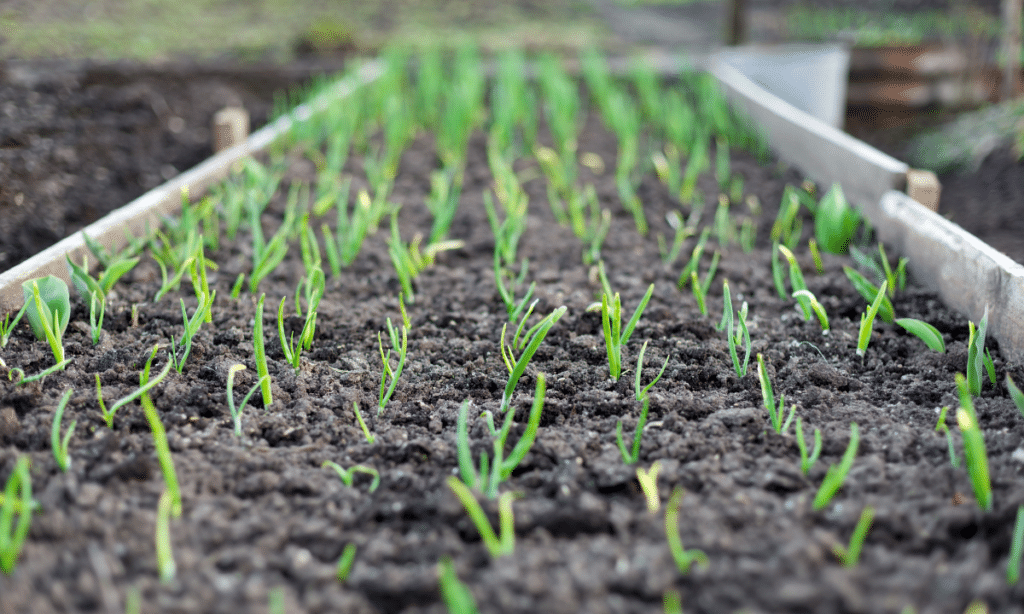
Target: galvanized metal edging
<point x="165" y="199"/>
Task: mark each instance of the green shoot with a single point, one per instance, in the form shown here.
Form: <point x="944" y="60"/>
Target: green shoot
<point x="684" y="558"/>
<point x="701" y="289"/>
<point x="261" y="355"/>
<point x="835" y="222"/>
<point x="345" y="562"/>
<point x="694" y="262"/>
<point x="849" y="555"/>
<point x="96" y="304"/>
<point x="777" y="276"/>
<point x="389" y="377"/>
<point x="673" y="602"/>
<point x="837" y="473"/>
<point x="768" y="396"/>
<point x="58" y="444"/>
<point x="614" y="335"/>
<point x="236" y="412"/>
<point x="455" y="594"/>
<point x="976" y="354"/>
<point x="974" y="446"/>
<point x="531" y="342"/>
<point x="18" y="376"/>
<point x="163" y="450"/>
<point x="648" y="480"/>
<point x="108" y="414"/>
<point x="7" y="325"/>
<point x="12" y="536"/>
<point x="632" y="455"/>
<point x="867" y="321"/>
<point x="897" y="279"/>
<point x="641" y="393"/>
<point x="670" y="254"/>
<point x="49" y="308"/>
<point x="236" y="290"/>
<point x="315" y="291"/>
<point x="496" y="546"/>
<point x="807" y="461"/>
<point x="941" y="427"/>
<point x="164" y="557"/>
<point x="362" y="424"/>
<point x="1015" y="394"/>
<point x="348" y="475"/>
<point x="748" y="235"/>
<point x="925" y="332"/>
<point x="796" y="280"/>
<point x="812" y="245"/>
<point x="192" y="326"/>
<point x="1016" y="549"/>
<point x="816" y="306"/>
<point x="728" y="324"/>
<point x="869" y="291"/>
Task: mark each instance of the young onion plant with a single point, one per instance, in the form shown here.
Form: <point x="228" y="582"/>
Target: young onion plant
<point x="614" y="335"/>
<point x="974" y="445"/>
<point x="14" y="533"/>
<point x="48" y="308"/>
<point x="736" y="332"/>
<point x="836" y="474"/>
<point x="768" y="396"/>
<point x="528" y="343"/>
<point x="389" y="377"/>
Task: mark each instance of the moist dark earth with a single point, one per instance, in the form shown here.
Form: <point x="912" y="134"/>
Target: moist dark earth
<point x="261" y="514"/>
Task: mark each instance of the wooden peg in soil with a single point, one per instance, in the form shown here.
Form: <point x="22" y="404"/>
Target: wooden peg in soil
<point x="924" y="187"/>
<point x="230" y="127"/>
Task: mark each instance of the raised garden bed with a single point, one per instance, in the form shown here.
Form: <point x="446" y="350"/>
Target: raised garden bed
<point x="262" y="519"/>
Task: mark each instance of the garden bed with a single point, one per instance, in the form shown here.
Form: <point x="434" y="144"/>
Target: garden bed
<point x="261" y="515"/>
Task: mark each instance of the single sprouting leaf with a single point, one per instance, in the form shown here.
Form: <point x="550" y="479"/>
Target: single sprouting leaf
<point x="925" y="332"/>
<point x="836" y="222"/>
<point x="869" y="291"/>
<point x="54" y="294"/>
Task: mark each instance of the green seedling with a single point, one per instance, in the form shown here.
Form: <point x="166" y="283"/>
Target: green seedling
<point x="974" y="446"/>
<point x="925" y="332"/>
<point x="641" y="393"/>
<point x="530" y="343"/>
<point x="670" y="254"/>
<point x="13" y="535"/>
<point x="389" y="377"/>
<point x="812" y="245"/>
<point x="796" y="281"/>
<point x="614" y="335"/>
<point x="741" y="336"/>
<point x="1016" y="549"/>
<point x="409" y="260"/>
<point x="7" y="325"/>
<point x="849" y="555"/>
<point x="58" y="444"/>
<point x="768" y="396"/>
<point x="236" y="290"/>
<point x="807" y="460"/>
<point x="345" y="563"/>
<point x="691" y="266"/>
<point x="836" y="222"/>
<point x="684" y="558"/>
<point x="49" y="308"/>
<point x="700" y="289"/>
<point x="162" y="538"/>
<point x="941" y="427"/>
<point x="261" y="354"/>
<point x="108" y="414"/>
<point x="867" y="321"/>
<point x="632" y="454"/>
<point x="788" y="226"/>
<point x="748" y="235"/>
<point x="976" y="354"/>
<point x="837" y="473"/>
<point x="236" y="411"/>
<point x="166" y="258"/>
<point x="1015" y="394"/>
<point x="897" y="279"/>
<point x="496" y="546"/>
<point x="107" y="259"/>
<point x="777" y="276"/>
<point x="491" y="473"/>
<point x="192" y="326"/>
<point x="18" y="376"/>
<point x="348" y="475"/>
<point x="673" y="602"/>
<point x="292" y="350"/>
<point x="455" y="594"/>
<point x="86" y="284"/>
<point x="648" y="480"/>
<point x="362" y="424"/>
<point x="163" y="449"/>
<point x="869" y="291"/>
<point x="816" y="307"/>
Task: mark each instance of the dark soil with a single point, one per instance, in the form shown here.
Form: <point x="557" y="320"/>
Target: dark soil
<point x="260" y="513"/>
<point x="78" y="141"/>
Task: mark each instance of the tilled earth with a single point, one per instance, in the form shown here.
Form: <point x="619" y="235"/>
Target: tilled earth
<point x="261" y="514"/>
